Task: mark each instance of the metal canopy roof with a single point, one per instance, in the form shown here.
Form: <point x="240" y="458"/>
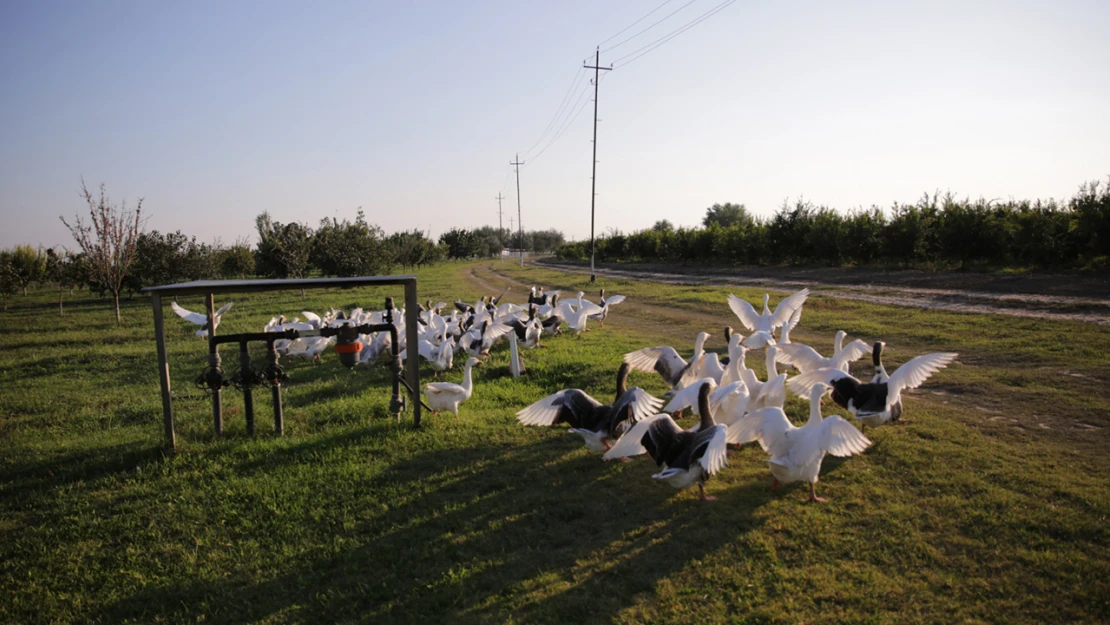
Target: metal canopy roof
<point x="203" y="287"/>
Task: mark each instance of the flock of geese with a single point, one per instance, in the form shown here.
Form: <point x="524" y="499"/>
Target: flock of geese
<point x="733" y="405"/>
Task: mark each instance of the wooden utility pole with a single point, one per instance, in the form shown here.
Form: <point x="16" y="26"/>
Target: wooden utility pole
<point x="519" y="224"/>
<point x="593" y="178"/>
<point x="500" y="226"/>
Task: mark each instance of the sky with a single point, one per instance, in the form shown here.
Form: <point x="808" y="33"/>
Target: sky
<point x="213" y="112"/>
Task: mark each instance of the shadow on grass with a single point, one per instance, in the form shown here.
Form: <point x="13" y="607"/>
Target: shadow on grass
<point x="535" y="533"/>
<point x="83" y="466"/>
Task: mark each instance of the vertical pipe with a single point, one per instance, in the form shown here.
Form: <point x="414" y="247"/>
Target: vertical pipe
<point x="163" y="372"/>
<point x="275" y="386"/>
<point x="248" y="391"/>
<point x="412" y="339"/>
<point x="214" y="362"/>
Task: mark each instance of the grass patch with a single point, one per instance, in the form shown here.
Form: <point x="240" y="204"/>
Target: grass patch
<point x="990" y="506"/>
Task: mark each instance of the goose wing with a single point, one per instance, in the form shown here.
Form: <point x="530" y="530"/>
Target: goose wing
<point x="851" y="352"/>
<point x="804" y="383"/>
<point x="663" y="360"/>
<point x="748" y="316"/>
<point x="711" y="448"/>
<point x="772" y="393"/>
<point x="840" y="438"/>
<point x="758" y="340"/>
<point x="570" y="406"/>
<point x="312" y="317"/>
<point x="658" y="432"/>
<point x="642" y="403"/>
<point x="802" y="356"/>
<point x="687" y="396"/>
<point x="224" y="308"/>
<point x="614" y="300"/>
<point x="443" y="387"/>
<point x="767" y="426"/>
<point x="788" y="306"/>
<point x="188" y="315"/>
<point x="915" y="371"/>
<point x="591" y="308"/>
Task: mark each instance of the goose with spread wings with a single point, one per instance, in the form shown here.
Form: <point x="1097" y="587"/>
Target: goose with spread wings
<point x="598" y="425"/>
<point x="200" y="319"/>
<point x="805" y="358"/>
<point x="767" y="321"/>
<point x="688" y="457"/>
<point x="605" y="304"/>
<point x="797" y="452"/>
<point x="876" y="402"/>
<point x="668" y="364"/>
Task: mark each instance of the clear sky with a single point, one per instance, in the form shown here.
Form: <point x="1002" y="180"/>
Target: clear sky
<point x="216" y="111"/>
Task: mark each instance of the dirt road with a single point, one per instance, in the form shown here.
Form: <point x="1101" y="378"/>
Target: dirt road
<point x="1044" y="297"/>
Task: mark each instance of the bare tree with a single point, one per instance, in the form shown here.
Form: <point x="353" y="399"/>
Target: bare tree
<point x="108" y="240"/>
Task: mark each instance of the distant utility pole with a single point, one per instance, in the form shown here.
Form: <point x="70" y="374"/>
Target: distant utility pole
<point x="500" y="226"/>
<point x="593" y="179"/>
<point x="519" y="224"/>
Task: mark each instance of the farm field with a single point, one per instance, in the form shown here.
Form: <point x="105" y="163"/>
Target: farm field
<point x="991" y="505"/>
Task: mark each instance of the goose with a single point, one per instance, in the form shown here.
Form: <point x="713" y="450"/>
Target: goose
<point x="797" y="452"/>
<point x="805" y="358"/>
<point x="736" y="355"/>
<point x="576" y="321"/>
<point x="767" y="321"/>
<point x="479" y="342"/>
<point x="710" y="367"/>
<point x="687" y="397"/>
<point x="771" y="392"/>
<point x="441" y="357"/>
<point x="876" y="402"/>
<point x="688" y="457"/>
<point x="447" y="395"/>
<point x="309" y="348"/>
<point x="598" y="425"/>
<point x="605" y="304"/>
<point x="200" y="319"/>
<point x="527" y="332"/>
<point x="568" y="308"/>
<point x="667" y="363"/>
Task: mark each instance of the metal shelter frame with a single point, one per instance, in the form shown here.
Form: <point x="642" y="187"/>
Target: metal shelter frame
<point x="210" y="288"/>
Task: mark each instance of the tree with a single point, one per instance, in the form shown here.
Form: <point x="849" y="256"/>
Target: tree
<point x="725" y="215"/>
<point x="8" y="285"/>
<point x="346" y="248"/>
<point x="237" y="261"/>
<point x="108" y="240"/>
<point x="283" y="250"/>
<point x="663" y="225"/>
<point x="27" y="265"/>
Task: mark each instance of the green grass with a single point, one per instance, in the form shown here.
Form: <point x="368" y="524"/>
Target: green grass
<point x="990" y="506"/>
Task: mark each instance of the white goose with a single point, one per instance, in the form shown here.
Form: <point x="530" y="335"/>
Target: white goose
<point x="874" y="403"/>
<point x="771" y="392"/>
<point x="605" y="304"/>
<point x="805" y="358"/>
<point x="200" y="319"/>
<point x="767" y="321"/>
<point x="668" y="364"/>
<point x="446" y="396"/>
<point x="687" y="397"/>
<point x="688" y="457"/>
<point x="797" y="452"/>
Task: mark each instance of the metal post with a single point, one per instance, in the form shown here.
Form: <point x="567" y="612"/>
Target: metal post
<point x="412" y="338"/>
<point x="274" y="374"/>
<point x="163" y="372"/>
<point x="519" y="224"/>
<point x="248" y="392"/>
<point x="214" y="363"/>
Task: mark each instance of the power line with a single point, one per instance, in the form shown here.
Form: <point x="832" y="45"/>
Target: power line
<point x="635" y="54"/>
<point x="668" y="16"/>
<point x="567" y="123"/>
<point x="558" y="112"/>
<point x="665" y="3"/>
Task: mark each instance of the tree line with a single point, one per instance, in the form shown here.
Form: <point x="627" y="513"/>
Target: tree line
<point x="939" y="231"/>
<point x="114" y="254"/>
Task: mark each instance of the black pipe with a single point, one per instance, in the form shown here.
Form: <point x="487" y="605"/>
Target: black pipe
<point x="246" y="374"/>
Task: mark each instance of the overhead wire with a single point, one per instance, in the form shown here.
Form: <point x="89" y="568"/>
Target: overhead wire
<point x="567" y="124"/>
<point x="558" y="112"/>
<point x="635" y="54"/>
<point x="616" y="34"/>
<point x="665" y="18"/>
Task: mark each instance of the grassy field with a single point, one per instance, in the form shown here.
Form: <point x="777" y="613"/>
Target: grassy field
<point x="990" y="506"/>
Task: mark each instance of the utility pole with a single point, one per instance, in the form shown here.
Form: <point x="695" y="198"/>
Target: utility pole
<point x="500" y="226"/>
<point x="593" y="179"/>
<point x="519" y="224"/>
